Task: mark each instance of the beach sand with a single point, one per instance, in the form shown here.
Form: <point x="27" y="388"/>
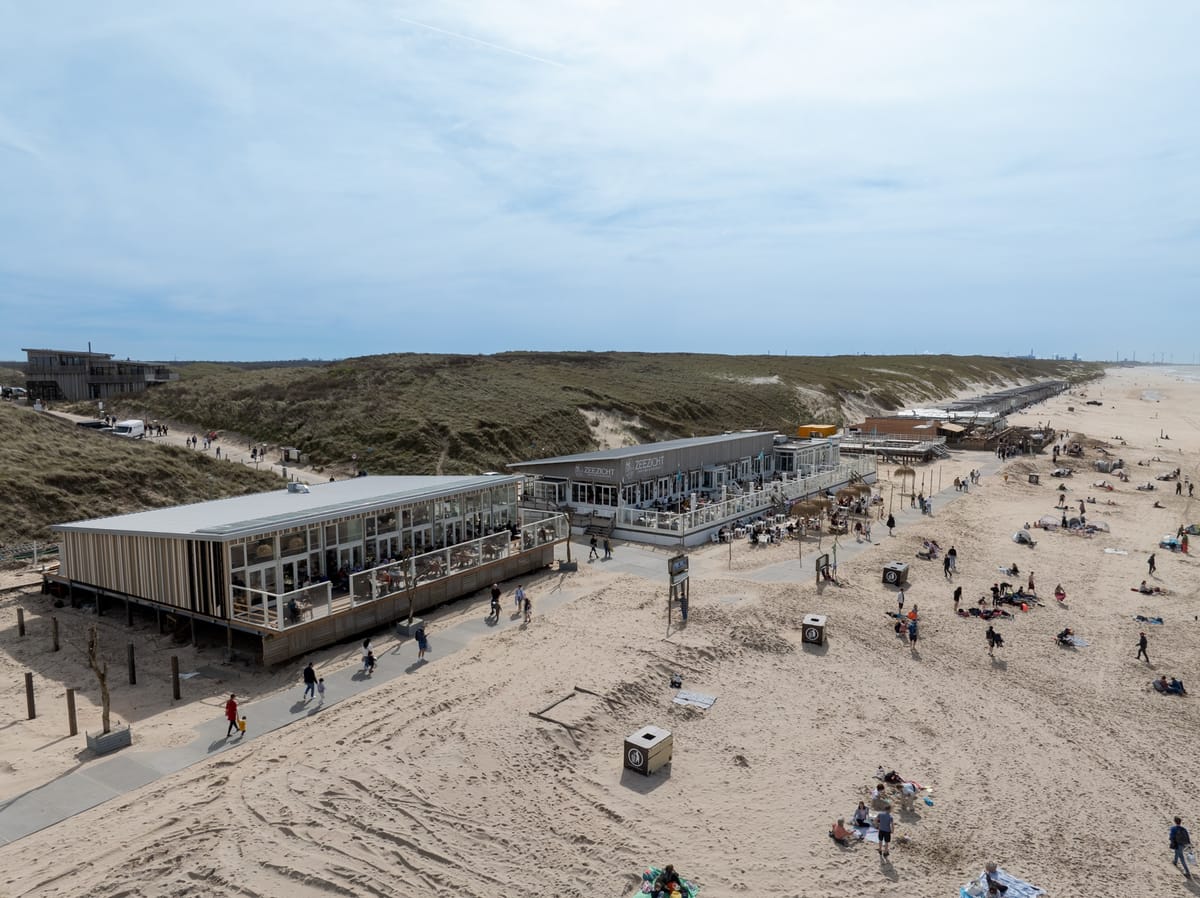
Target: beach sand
<point x="1061" y="765"/>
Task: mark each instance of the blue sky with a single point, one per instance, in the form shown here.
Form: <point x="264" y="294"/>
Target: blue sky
<point x="327" y="179"/>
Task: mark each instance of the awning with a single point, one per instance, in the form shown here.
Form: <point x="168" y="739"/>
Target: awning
<point x="951" y="428"/>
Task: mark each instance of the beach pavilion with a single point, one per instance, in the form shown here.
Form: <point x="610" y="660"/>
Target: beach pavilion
<point x="294" y="569"/>
<point x="681" y="492"/>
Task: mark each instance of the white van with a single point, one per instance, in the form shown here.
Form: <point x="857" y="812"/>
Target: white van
<point x="131" y="430"/>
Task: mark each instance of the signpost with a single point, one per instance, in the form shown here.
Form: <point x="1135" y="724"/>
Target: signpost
<point x="677" y="571"/>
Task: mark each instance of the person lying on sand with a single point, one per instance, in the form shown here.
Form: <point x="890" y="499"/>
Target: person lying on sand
<point x="1147" y="590"/>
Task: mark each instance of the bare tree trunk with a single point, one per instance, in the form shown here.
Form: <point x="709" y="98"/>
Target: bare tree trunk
<point x="100" y="668"/>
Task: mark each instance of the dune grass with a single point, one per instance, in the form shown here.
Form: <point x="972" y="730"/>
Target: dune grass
<point x="52" y="472"/>
<point x="415" y="413"/>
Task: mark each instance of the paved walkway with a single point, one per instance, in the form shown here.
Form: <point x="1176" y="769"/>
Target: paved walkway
<point x="101" y="780"/>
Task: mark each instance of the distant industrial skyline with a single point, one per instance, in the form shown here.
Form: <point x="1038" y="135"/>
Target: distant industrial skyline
<point x="287" y="180"/>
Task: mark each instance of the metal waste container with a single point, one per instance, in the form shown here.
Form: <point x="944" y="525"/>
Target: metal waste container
<point x="1033" y="478"/>
<point x="895" y="573"/>
<point x="648" y="749"/>
<point x="813" y="629"/>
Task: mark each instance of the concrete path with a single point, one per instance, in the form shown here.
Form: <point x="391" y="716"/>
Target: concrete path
<point x="128" y="769"/>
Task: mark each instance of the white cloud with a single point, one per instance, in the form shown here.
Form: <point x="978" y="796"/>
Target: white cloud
<point x="428" y="162"/>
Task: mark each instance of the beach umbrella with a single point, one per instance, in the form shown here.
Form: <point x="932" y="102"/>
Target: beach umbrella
<point x="846" y="493"/>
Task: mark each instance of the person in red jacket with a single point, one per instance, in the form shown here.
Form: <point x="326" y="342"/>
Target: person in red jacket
<point x="231" y="715"/>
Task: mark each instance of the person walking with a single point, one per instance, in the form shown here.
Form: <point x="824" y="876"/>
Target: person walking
<point x="593" y="554"/>
<point x="520" y="596"/>
<point x="1151" y="565"/>
<point x="946" y="567"/>
<point x="422" y="643"/>
<point x="957" y="597"/>
<point x="321" y="691"/>
<point x="994" y="640"/>
<point x="1180" y="843"/>
<point x="952" y="554"/>
<point x="891" y="525"/>
<point x="1141" y="652"/>
<point x="310" y="682"/>
<point x="231" y="714"/>
<point x="900" y="602"/>
<point x="528" y="610"/>
<point x="607" y="548"/>
<point x="495" y="610"/>
<point x="367" y="653"/>
<point x="912" y="633"/>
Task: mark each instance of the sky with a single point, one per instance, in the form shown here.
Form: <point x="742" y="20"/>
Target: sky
<point x="288" y="179"/>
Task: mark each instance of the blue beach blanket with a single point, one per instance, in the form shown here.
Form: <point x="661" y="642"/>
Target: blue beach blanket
<point x="1017" y="888"/>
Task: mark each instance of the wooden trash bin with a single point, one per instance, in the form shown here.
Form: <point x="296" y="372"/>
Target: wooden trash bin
<point x="648" y="749"/>
<point x="813" y="629"/>
<point x="895" y="573"/>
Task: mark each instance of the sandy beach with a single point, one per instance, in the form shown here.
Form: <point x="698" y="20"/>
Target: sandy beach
<point x="1062" y="765"/>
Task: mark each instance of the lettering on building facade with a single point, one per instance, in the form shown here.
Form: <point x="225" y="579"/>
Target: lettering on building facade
<point x="640" y="466"/>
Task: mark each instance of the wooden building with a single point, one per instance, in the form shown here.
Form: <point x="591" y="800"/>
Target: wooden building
<point x="74" y="376"/>
<point x="302" y="567"/>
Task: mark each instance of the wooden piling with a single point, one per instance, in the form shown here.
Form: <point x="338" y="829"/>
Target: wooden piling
<point x="29" y="706"/>
<point x="20" y="621"/>
<point x="175" y="677"/>
<point x="54" y="633"/>
<point x="132" y="666"/>
<point x="71" y="721"/>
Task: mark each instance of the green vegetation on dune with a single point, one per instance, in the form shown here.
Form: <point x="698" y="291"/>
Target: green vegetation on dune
<point x="52" y="471"/>
<point x="415" y="413"/>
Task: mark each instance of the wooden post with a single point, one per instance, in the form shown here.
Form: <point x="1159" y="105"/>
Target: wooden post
<point x="29" y="706"/>
<point x="54" y="633"/>
<point x="20" y="621"/>
<point x="175" y="677"/>
<point x="132" y="666"/>
<point x="71" y="722"/>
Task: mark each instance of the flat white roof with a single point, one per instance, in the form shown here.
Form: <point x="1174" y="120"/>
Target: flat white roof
<point x="223" y="519"/>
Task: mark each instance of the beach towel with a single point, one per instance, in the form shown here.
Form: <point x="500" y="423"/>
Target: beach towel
<point x="1079" y="642"/>
<point x="1115" y="552"/>
<point x="689" y="888"/>
<point x="695" y="699"/>
<point x="869" y="833"/>
<point x="1017" y="888"/>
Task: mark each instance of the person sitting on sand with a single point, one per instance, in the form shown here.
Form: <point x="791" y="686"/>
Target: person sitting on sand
<point x="841" y="835"/>
<point x="1066" y="637"/>
<point x="879" y="796"/>
<point x="862" y="817"/>
<point x="893" y="778"/>
<point x="667" y="882"/>
<point x="1059" y="592"/>
<point x="994" y="886"/>
<point x="1173" y="687"/>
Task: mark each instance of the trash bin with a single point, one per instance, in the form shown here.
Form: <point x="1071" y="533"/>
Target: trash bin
<point x="813" y="630"/>
<point x="1033" y="478"/>
<point x="648" y="749"/>
<point x="895" y="573"/>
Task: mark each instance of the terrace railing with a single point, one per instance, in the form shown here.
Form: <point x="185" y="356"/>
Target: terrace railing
<point x="775" y="494"/>
<point x="280" y="611"/>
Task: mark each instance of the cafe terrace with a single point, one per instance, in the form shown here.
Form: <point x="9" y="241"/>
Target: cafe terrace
<point x="683" y="491"/>
<point x="291" y="570"/>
